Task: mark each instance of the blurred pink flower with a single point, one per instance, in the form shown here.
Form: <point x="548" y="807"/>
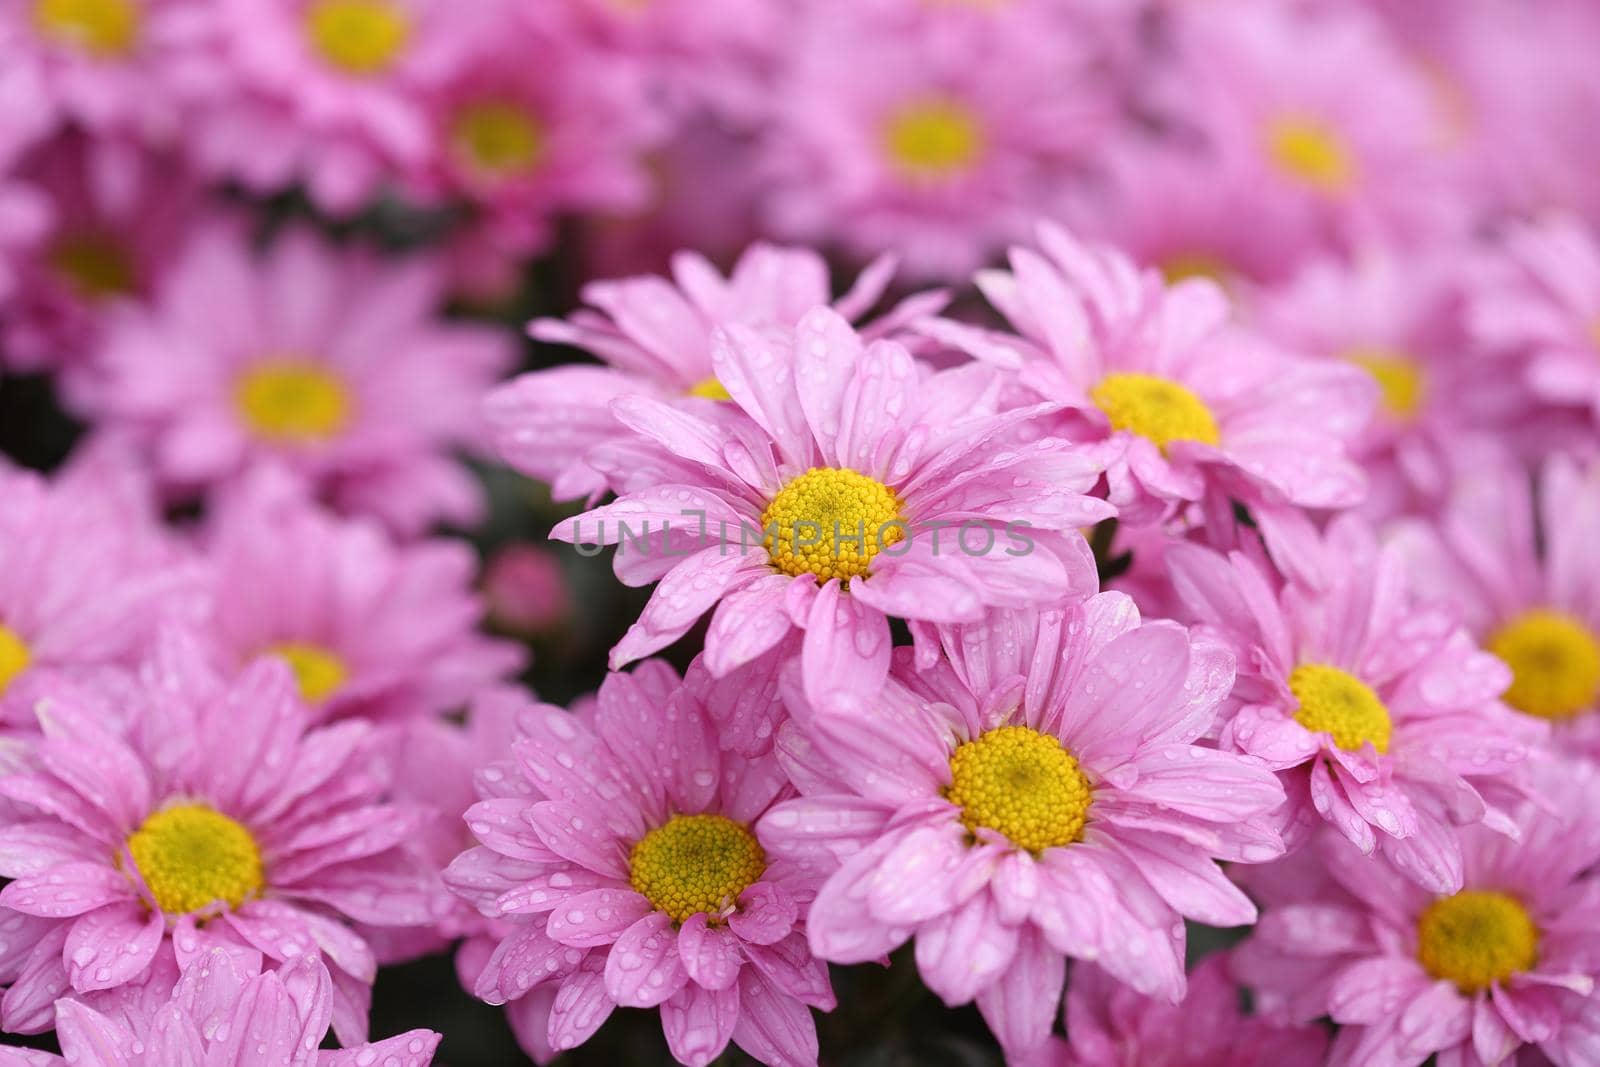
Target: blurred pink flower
<point x="332" y="362"/>
<point x="632" y="878"/>
<point x="214" y="817"/>
<point x="1473" y="976"/>
<point x="656" y="337"/>
<point x="940" y="134"/>
<point x="1520" y="570"/>
<point x="372" y="628"/>
<point x="525" y="589"/>
<point x="912" y="823"/>
<point x="330" y="94"/>
<point x="1380" y="718"/>
<point x="1110" y="1025"/>
<point x="1539" y="301"/>
<point x="814" y="500"/>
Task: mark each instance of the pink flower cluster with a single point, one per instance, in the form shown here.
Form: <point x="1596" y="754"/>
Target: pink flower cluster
<point x="1103" y="473"/>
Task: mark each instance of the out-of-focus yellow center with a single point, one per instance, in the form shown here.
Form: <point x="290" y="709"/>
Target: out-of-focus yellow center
<point x="191" y="857"/>
<point x="830" y="522"/>
<point x="95" y="266"/>
<point x="1401" y="383"/>
<point x="710" y="389"/>
<point x="1186" y="266"/>
<point x="103" y="28"/>
<point x="1336" y="702"/>
<point x="1155" y="408"/>
<point x="1311" y="152"/>
<point x="1024" y="784"/>
<point x="318" y="672"/>
<point x="933" y="139"/>
<point x="1476" y="938"/>
<point x="498" y="137"/>
<point x="358" y="36"/>
<point x="294" y="401"/>
<point x="696" y="863"/>
<point x="1554" y="660"/>
<point x="14" y="656"/>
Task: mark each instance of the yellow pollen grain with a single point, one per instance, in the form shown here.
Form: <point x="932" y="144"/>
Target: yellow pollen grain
<point x="14" y="656"/>
<point x="1401" y="383"/>
<point x="102" y="28"/>
<point x="933" y="139"/>
<point x="1476" y="938"/>
<point x="94" y="266"/>
<point x="1555" y="663"/>
<point x="1190" y="265"/>
<point x="1310" y="151"/>
<point x="192" y="857"/>
<point x="1022" y="783"/>
<point x="696" y="863"/>
<point x="830" y="522"/>
<point x="1336" y="702"/>
<point x="293" y="401"/>
<point x="498" y="137"/>
<point x="358" y="36"/>
<point x="318" y="672"/>
<point x="709" y="389"/>
<point x="1155" y="408"/>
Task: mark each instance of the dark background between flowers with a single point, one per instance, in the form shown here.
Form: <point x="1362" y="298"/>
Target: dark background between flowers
<point x="885" y="1018"/>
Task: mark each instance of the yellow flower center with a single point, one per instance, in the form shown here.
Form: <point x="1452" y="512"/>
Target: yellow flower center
<point x="293" y="400"/>
<point x="1024" y="784"/>
<point x="696" y="863"/>
<point x="1401" y="384"/>
<point x="499" y="138"/>
<point x="1336" y="702"/>
<point x="1311" y="152"/>
<point x="14" y="656"/>
<point x="94" y="266"/>
<point x="1155" y="408"/>
<point x="1554" y="661"/>
<point x="318" y="672"/>
<point x="933" y="139"/>
<point x="830" y="522"/>
<point x="1476" y="938"/>
<point x="358" y="36"/>
<point x="1188" y="265"/>
<point x="104" y="28"/>
<point x="710" y="389"/>
<point x="192" y="857"/>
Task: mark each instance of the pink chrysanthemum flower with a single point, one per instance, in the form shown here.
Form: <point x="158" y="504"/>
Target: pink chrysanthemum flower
<point x="655" y="337"/>
<point x="24" y="221"/>
<point x="328" y="93"/>
<point x="215" y="817"/>
<point x="1474" y="976"/>
<point x="816" y="499"/>
<point x="1541" y="302"/>
<point x="1520" y="572"/>
<point x="1185" y="406"/>
<point x="1380" y="718"/>
<point x="119" y="217"/>
<point x="371" y="627"/>
<point x="524" y="141"/>
<point x="1111" y="1025"/>
<point x="634" y="878"/>
<point x="1397" y="315"/>
<point x="1342" y="131"/>
<point x="85" y="578"/>
<point x="99" y="64"/>
<point x="1040" y="795"/>
<point x="325" y="360"/>
<point x="224" y="1012"/>
<point x="941" y="135"/>
<point x="1171" y="206"/>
